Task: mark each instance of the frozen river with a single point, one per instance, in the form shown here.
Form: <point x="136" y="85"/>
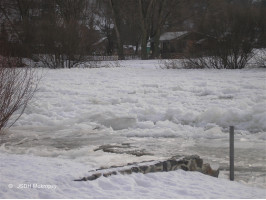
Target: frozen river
<point x="249" y="155"/>
<point x="143" y="110"/>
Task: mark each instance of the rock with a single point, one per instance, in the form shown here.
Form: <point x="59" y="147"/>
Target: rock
<point x="109" y="174"/>
<point x="143" y="169"/>
<point x="158" y="167"/>
<point x="188" y="163"/>
<point x="206" y="169"/>
<point x="185" y="168"/>
<point x="127" y="171"/>
<point x="124" y="148"/>
<point x="135" y="169"/>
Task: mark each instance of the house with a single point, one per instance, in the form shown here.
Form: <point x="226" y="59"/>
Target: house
<point x="184" y="43"/>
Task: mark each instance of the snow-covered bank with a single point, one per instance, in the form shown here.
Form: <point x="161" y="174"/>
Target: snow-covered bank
<point x="39" y="177"/>
<point x="164" y="112"/>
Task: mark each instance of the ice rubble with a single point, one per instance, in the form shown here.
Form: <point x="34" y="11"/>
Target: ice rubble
<point x="76" y="110"/>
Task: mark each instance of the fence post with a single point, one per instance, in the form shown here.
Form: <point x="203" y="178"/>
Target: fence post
<point x="232" y="153"/>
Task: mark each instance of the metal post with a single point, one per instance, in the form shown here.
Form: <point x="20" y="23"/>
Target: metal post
<point x="232" y="153"/>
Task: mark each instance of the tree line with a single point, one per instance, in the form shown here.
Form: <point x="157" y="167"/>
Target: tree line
<point x="69" y="30"/>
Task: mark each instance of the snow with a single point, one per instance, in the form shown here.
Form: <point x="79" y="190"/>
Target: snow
<point x="54" y="179"/>
<point x="165" y="112"/>
<point x="172" y="35"/>
<point x="100" y="41"/>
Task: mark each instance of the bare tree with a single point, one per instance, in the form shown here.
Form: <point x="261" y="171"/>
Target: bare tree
<point x="19" y="15"/>
<point x="104" y="22"/>
<point x="65" y="32"/>
<point x="144" y="10"/>
<point x="75" y="36"/>
<point x="233" y="30"/>
<point x="261" y="24"/>
<point x="161" y="12"/>
<point x="153" y="16"/>
<point x="117" y="7"/>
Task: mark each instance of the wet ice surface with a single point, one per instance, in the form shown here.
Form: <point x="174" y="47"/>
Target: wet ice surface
<point x="165" y="112"/>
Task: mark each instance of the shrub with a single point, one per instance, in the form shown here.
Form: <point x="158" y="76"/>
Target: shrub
<point x="17" y="87"/>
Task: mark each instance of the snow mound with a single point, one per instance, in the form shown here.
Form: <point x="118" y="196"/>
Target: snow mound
<point x="29" y="177"/>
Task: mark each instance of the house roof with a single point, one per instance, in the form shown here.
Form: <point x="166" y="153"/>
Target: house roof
<point x="172" y="35"/>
